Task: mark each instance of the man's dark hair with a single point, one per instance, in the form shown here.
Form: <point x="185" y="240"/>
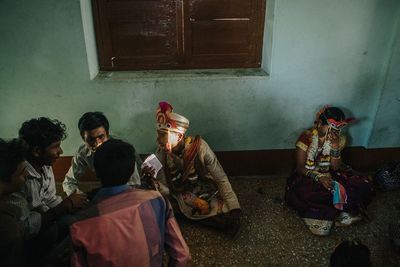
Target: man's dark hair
<point x="351" y="254"/>
<point x="42" y="132"/>
<point x="332" y="113"/>
<point x="114" y="162"/>
<point x="93" y="120"/>
<point x="12" y="153"/>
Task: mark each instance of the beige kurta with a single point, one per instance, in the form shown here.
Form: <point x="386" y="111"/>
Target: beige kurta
<point x="207" y="181"/>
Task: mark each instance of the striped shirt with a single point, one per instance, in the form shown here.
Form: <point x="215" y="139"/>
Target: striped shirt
<point x="127" y="227"/>
<point x="37" y="196"/>
<point x="40" y="189"/>
<point x="31" y="220"/>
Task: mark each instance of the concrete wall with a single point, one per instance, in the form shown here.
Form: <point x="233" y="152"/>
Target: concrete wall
<point x="386" y="131"/>
<point x="323" y="51"/>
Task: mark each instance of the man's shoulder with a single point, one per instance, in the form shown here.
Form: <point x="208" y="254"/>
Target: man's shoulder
<point x="48" y="170"/>
<point x="136" y="194"/>
<point x="83" y="151"/>
<point x="203" y="146"/>
<point x="13" y="203"/>
<point x="132" y="198"/>
<point x="190" y="140"/>
<point x="34" y="174"/>
<point x="144" y="194"/>
<point x="31" y="170"/>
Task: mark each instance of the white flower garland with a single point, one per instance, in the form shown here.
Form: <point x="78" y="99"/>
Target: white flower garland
<point x="326" y="148"/>
<point x="313" y="150"/>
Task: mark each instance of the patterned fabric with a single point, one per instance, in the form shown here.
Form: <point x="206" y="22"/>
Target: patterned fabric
<point x="170" y="121"/>
<point x="37" y="196"/>
<point x="339" y="195"/>
<point x="318" y="227"/>
<point x="337" y="125"/>
<point x="127" y="227"/>
<point x="318" y="158"/>
<point x="196" y="180"/>
<point x="313" y="201"/>
<point x="83" y="161"/>
<point x="40" y="189"/>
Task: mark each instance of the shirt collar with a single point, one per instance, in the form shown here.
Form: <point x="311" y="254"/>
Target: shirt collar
<point x="32" y="171"/>
<point x="84" y="150"/>
<point x="105" y="192"/>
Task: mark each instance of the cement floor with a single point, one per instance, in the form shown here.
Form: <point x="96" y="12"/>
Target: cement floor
<point x="273" y="235"/>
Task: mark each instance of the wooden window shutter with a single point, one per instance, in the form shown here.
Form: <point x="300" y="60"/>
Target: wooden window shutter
<point x="138" y="34"/>
<point x="223" y="33"/>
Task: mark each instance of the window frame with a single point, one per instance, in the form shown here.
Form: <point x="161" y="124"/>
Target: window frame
<point x="182" y="53"/>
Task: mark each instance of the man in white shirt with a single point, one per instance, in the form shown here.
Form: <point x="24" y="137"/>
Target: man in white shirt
<point x="43" y="137"/>
<point x="94" y="130"/>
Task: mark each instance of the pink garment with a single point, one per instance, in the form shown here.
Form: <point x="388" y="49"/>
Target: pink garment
<point x="339" y="195"/>
<point x="128" y="229"/>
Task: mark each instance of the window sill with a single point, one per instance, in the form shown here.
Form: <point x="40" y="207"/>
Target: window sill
<point x="168" y="75"/>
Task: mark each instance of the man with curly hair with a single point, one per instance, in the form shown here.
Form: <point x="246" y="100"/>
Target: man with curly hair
<point x="47" y="222"/>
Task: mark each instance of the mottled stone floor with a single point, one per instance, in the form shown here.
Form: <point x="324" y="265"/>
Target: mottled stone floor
<point x="273" y="235"/>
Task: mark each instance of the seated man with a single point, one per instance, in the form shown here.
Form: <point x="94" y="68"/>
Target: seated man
<point x="12" y="179"/>
<point x="125" y="226"/>
<point x="94" y="130"/>
<point x="192" y="175"/>
<point x="322" y="189"/>
<point x="46" y="221"/>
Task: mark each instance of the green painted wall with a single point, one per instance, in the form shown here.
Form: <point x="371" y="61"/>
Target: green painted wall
<point x="386" y="131"/>
<point x="324" y="51"/>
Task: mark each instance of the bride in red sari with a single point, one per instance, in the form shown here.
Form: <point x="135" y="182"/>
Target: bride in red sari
<point x="322" y="190"/>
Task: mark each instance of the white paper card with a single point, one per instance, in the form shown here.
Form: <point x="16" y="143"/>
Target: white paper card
<point x="153" y="161"/>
